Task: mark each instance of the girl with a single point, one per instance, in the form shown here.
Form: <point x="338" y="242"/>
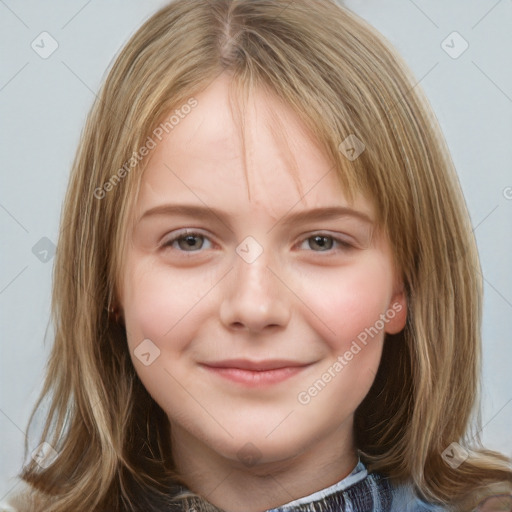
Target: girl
<point x="266" y="293"/>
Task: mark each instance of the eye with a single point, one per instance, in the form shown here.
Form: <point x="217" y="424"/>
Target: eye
<point x="325" y="243"/>
<point x="188" y="241"/>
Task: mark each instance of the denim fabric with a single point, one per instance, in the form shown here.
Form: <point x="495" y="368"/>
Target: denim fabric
<point x="404" y="500"/>
<point x="360" y="492"/>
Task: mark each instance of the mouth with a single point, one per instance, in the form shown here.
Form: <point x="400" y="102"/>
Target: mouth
<point x="256" y="373"/>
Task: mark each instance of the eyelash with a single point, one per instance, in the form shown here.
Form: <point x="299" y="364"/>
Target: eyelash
<point x="343" y="245"/>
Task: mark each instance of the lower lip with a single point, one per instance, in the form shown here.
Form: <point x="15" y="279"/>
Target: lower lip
<point x="254" y="378"/>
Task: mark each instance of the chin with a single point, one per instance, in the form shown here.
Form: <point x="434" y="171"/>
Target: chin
<point x="254" y="447"/>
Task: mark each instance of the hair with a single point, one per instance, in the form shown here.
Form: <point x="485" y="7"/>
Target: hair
<point x="341" y="77"/>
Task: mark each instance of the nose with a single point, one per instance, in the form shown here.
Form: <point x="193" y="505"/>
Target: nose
<point x="255" y="299"/>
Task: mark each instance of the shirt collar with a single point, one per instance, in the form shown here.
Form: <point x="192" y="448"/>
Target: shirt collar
<point x="356" y="475"/>
<point x="359" y="491"/>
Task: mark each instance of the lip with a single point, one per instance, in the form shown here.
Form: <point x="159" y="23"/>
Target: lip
<point x="256" y="373"/>
<point x="246" y="364"/>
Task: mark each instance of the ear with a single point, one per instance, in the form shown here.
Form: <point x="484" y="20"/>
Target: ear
<point x="397" y="310"/>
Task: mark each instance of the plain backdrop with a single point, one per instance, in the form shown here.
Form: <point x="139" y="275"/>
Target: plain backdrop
<point x="44" y="101"/>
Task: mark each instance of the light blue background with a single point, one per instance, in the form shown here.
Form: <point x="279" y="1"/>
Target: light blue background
<point x="43" y="104"/>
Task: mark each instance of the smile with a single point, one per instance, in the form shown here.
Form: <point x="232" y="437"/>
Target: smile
<point x="256" y="374"/>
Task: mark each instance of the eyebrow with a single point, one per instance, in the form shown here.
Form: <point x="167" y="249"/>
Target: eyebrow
<point x="288" y="220"/>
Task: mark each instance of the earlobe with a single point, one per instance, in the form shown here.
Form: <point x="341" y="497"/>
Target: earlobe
<point x="115" y="313"/>
<point x="397" y="312"/>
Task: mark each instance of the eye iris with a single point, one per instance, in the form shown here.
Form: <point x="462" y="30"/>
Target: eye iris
<point x="320" y="240"/>
<point x="190" y="241"/>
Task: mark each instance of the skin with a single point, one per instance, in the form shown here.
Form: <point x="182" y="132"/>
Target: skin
<point x="301" y="299"/>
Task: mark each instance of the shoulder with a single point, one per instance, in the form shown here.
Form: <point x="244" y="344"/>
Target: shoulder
<point x="7" y="503"/>
<point x="406" y="500"/>
<point x="21" y="498"/>
<point x="5" y="506"/>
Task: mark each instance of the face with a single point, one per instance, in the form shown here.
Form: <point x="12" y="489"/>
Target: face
<point x="255" y="303"/>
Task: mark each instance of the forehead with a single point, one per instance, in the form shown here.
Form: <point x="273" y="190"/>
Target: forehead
<point x="253" y="151"/>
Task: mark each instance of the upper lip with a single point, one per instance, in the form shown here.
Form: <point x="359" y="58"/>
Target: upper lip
<point x="246" y="364"/>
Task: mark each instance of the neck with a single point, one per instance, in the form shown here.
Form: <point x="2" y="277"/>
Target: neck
<point x="233" y="486"/>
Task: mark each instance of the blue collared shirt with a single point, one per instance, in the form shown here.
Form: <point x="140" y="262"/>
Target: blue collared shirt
<point x="360" y="491"/>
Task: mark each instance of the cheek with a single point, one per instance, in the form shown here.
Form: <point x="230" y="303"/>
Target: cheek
<point x="348" y="305"/>
<point x="160" y="304"/>
<point x="346" y="312"/>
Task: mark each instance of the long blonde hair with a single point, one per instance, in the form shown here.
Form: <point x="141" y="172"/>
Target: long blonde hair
<point x="342" y="78"/>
